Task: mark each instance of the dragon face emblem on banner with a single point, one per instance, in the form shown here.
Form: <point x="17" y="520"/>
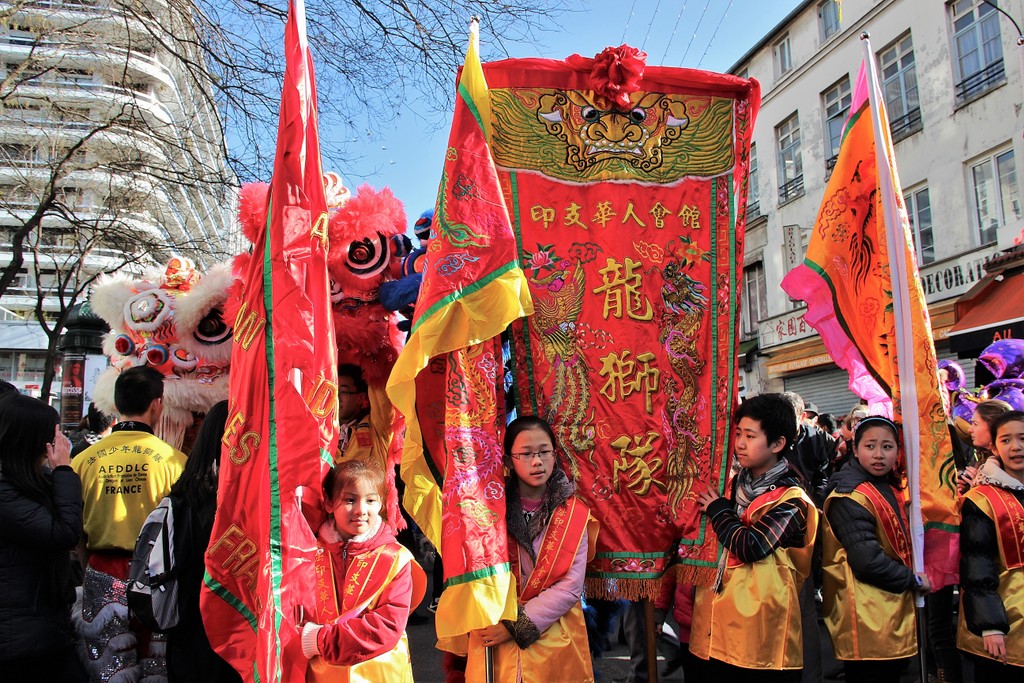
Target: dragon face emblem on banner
<point x="594" y="134"/>
<point x="577" y="136"/>
<point x="172" y="321"/>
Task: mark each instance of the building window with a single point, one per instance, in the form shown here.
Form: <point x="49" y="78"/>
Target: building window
<point x="20" y="35"/>
<point x="791" y="171"/>
<point x="756" y="293"/>
<point x="996" y="199"/>
<point x="753" y="202"/>
<point x="836" y="104"/>
<point x="899" y="83"/>
<point x="919" y="211"/>
<point x="978" y="48"/>
<point x="18" y="197"/>
<point x="18" y="154"/>
<point x="828" y="19"/>
<point x="24" y="72"/>
<point x="64" y="76"/>
<point x="783" y="57"/>
<point x="24" y="111"/>
<point x="70" y="197"/>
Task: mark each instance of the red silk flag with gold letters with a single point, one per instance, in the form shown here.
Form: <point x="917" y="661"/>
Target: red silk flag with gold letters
<point x="281" y="431"/>
<point x="627" y="190"/>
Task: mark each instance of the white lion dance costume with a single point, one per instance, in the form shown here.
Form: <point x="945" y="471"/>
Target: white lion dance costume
<point x="171" y="320"/>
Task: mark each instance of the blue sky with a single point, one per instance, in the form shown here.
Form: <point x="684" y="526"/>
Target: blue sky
<point x="706" y="34"/>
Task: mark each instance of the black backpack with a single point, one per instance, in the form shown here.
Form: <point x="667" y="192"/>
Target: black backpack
<point x="152" y="587"/>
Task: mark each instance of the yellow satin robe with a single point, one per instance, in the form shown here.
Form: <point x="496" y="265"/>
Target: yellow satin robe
<point x="864" y="621"/>
<point x="562" y="655"/>
<point x="1011" y="590"/>
<point x="754" y="622"/>
<point x="394" y="666"/>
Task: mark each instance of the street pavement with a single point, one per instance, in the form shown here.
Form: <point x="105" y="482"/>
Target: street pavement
<point x="612" y="667"/>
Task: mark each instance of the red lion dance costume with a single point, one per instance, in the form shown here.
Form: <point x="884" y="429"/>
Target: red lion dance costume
<point x="363" y="255"/>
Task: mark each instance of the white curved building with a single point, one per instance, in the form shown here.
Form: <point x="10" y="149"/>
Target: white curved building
<point x="109" y="131"/>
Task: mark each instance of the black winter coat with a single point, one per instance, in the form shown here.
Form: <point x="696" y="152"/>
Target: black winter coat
<point x="190" y="658"/>
<point x="35" y="567"/>
<point x="855" y="529"/>
<point x="979" y="570"/>
<point x="811" y="456"/>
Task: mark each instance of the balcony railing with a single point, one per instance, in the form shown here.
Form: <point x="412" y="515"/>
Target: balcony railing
<point x="65" y="4"/>
<point x="904" y="126"/>
<point x="980" y="82"/>
<point x="794" y="188"/>
<point x="753" y="209"/>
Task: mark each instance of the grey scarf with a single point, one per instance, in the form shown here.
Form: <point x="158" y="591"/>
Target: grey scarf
<point x="748" y="488"/>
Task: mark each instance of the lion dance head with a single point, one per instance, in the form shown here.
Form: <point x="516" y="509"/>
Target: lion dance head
<point x="173" y="321"/>
<point x="366" y="248"/>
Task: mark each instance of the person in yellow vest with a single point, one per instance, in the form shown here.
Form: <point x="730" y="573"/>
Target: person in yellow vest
<point x="991" y="628"/>
<point x="124" y="476"/>
<point x="748" y="625"/>
<point x="366" y="417"/>
<point x="367" y="585"/>
<point x="551" y="536"/>
<point x="869" y="584"/>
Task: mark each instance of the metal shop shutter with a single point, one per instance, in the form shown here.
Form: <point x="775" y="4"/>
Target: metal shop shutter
<point x="827" y="388"/>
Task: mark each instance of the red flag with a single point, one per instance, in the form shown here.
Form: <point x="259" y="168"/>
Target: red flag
<point x="259" y="565"/>
<point x="448" y="380"/>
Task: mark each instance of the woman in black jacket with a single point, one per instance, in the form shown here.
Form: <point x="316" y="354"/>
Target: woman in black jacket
<point x="40" y="523"/>
<point x="190" y="659"/>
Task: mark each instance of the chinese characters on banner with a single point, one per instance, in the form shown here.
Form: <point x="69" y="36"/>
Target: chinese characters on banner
<point x="629" y="223"/>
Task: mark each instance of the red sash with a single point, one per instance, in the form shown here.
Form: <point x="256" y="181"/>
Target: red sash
<point x="1009" y="521"/>
<point x="764" y="500"/>
<point x="365" y="580"/>
<point x="557" y="552"/>
<point x="893" y="522"/>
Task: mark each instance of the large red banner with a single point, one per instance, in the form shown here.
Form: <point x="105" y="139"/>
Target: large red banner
<point x="627" y="194"/>
<point x="260" y="572"/>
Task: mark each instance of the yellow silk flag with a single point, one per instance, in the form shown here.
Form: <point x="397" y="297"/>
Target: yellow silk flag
<point x="447" y="382"/>
<point x="863" y="293"/>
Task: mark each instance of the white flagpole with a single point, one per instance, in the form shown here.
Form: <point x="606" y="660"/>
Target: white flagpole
<point x="896" y="236"/>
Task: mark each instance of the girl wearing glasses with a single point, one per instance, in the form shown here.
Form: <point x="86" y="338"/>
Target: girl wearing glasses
<point x="551" y="535"/>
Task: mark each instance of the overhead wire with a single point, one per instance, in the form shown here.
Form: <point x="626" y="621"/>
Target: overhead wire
<point x="671" y="37"/>
<point x="700" y="20"/>
<point x="626" y="27"/>
<point x="715" y="34"/>
<point x="650" y="25"/>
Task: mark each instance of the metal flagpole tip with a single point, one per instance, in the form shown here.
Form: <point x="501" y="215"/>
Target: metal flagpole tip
<point x="864" y="35"/>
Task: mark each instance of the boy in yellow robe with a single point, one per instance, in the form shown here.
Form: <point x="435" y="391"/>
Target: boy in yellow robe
<point x="748" y="625"/>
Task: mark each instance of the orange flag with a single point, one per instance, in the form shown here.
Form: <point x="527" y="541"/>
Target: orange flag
<point x="863" y="294"/>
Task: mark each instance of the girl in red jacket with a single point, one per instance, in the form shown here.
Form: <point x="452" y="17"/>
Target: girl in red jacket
<point x="367" y="585"/>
